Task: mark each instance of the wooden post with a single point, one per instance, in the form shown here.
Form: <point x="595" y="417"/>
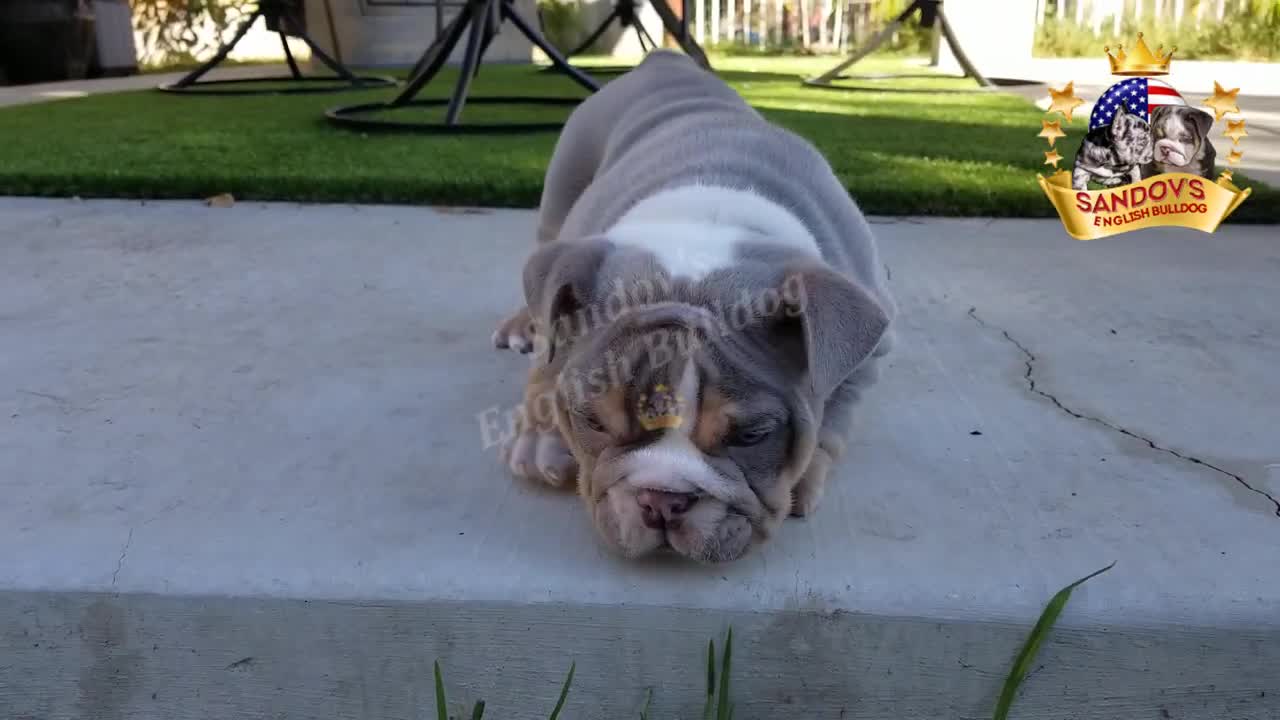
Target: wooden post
<point x="698" y="20"/>
<point x="715" y="21"/>
<point x="1137" y="10"/>
<point x="780" y="22"/>
<point x="838" y="32"/>
<point x="730" y="19"/>
<point x="804" y="23"/>
<point x="762" y="27"/>
<point x="746" y="22"/>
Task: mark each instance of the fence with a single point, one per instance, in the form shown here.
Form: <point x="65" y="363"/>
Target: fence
<point x="1107" y="15"/>
<point x="816" y="25"/>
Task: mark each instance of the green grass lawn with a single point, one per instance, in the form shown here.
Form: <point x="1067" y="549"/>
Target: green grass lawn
<point x="966" y="154"/>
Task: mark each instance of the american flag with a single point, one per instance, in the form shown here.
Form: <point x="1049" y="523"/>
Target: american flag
<point x="1139" y="96"/>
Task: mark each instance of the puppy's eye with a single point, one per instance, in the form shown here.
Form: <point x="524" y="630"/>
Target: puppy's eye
<point x="591" y="422"/>
<point x="749" y="436"/>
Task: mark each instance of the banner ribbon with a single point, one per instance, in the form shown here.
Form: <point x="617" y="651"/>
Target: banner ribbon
<point x="1170" y="199"/>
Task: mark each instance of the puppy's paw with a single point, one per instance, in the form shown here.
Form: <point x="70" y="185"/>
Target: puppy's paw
<point x="812" y="485"/>
<point x="515" y="333"/>
<point x="541" y="456"/>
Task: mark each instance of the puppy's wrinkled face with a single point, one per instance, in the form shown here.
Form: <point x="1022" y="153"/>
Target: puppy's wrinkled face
<point x="692" y="405"/>
<point x="687" y="438"/>
<point x="1178" y="134"/>
<point x="1131" y="138"/>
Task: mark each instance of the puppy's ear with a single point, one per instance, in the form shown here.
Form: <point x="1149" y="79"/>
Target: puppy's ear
<point x="1202" y="120"/>
<point x="831" y="321"/>
<point x="559" y="280"/>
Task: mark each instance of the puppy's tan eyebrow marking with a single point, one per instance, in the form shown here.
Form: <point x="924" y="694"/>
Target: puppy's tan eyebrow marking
<point x="713" y="420"/>
<point x="611" y="410"/>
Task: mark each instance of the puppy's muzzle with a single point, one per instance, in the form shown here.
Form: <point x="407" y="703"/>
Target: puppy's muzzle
<point x="660" y="510"/>
<point x="1171" y="152"/>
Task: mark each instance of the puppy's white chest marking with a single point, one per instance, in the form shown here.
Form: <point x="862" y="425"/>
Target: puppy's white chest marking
<point x="696" y="229"/>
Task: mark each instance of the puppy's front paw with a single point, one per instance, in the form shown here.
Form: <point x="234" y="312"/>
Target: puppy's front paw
<point x="541" y="456"/>
<point x="515" y="333"/>
<point x="812" y="485"/>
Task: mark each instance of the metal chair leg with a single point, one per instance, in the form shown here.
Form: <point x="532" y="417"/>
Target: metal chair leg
<point x="222" y="53"/>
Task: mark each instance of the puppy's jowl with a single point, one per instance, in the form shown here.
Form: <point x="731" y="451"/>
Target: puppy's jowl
<point x="704" y="307"/>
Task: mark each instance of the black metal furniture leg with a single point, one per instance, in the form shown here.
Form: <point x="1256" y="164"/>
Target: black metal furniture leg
<point x="956" y="50"/>
<point x="436" y="56"/>
<point x="931" y="17"/>
<point x="480" y="21"/>
<point x="470" y="63"/>
<point x="595" y="34"/>
<point x="285" y="26"/>
<point x="191" y="77"/>
<point x="509" y="12"/>
<point x="680" y="30"/>
<point x="337" y="67"/>
<point x="288" y="56"/>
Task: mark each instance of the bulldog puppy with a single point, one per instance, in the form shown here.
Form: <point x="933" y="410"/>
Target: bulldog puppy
<point x="1180" y="142"/>
<point x="705" y="306"/>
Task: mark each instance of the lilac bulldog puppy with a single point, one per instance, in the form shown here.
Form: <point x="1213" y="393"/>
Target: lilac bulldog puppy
<point x="704" y="307"/>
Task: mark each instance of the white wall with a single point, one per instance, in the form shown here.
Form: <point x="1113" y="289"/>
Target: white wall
<point x="996" y="35"/>
<point x="374" y="36"/>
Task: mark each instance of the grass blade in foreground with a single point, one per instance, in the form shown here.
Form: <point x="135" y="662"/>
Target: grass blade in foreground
<point x="723" y="710"/>
<point x="1027" y="655"/>
<point x="708" y="707"/>
<point x="564" y="692"/>
<point x="442" y="710"/>
<point x="648" y="698"/>
<point x="478" y="712"/>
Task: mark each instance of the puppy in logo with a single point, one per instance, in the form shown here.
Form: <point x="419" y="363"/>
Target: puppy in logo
<point x="706" y="305"/>
<point x="1180" y="142"/>
<point x="1114" y="154"/>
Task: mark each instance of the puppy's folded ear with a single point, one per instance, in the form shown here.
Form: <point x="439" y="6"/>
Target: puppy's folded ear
<point x="1203" y="121"/>
<point x="559" y="280"/>
<point x="831" y="321"/>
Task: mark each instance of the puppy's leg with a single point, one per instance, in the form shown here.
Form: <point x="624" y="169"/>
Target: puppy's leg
<point x="833" y="437"/>
<point x="537" y="451"/>
<point x="1080" y="179"/>
<point x="516" y="332"/>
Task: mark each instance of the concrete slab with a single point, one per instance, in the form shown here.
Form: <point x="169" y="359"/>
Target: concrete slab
<point x="46" y="92"/>
<point x="245" y="477"/>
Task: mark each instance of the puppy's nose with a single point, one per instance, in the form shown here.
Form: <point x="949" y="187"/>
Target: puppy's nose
<point x="659" y="508"/>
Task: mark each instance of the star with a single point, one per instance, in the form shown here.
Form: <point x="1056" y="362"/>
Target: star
<point x="1223" y="101"/>
<point x="1064" y="101"/>
<point x="1051" y="157"/>
<point x="1051" y="131"/>
<point x="1235" y="131"/>
<point x="1234" y="157"/>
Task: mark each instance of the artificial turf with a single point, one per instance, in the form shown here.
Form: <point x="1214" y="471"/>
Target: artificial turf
<point x="899" y="153"/>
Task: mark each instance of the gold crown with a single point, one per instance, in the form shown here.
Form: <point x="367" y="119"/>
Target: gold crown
<point x="1143" y="62"/>
<point x="662" y="411"/>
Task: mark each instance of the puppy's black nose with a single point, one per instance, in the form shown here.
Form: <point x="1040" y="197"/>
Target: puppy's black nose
<point x="659" y="508"/>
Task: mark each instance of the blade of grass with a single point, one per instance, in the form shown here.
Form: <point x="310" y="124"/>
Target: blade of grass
<point x="1027" y="655"/>
<point x="442" y="710"/>
<point x="648" y="698"/>
<point x="564" y="692"/>
<point x="478" y="712"/>
<point x="709" y="706"/>
<point x="722" y="712"/>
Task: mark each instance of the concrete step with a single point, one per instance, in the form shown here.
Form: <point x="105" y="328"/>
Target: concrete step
<point x="245" y="477"/>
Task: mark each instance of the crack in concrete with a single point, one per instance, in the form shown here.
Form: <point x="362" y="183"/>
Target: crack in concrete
<point x="1029" y="361"/>
<point x="120" y="563"/>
